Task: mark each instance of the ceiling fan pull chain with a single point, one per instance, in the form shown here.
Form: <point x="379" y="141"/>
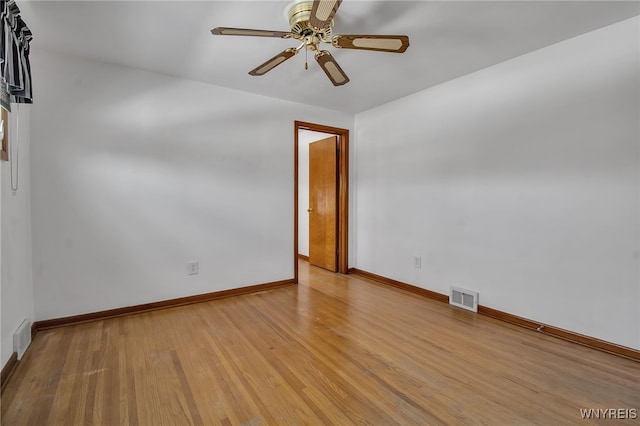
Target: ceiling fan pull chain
<point x="306" y="54"/>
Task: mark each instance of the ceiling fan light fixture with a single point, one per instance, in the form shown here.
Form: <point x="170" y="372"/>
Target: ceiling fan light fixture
<point x="311" y="22"/>
<point x="298" y="14"/>
<point x="298" y="10"/>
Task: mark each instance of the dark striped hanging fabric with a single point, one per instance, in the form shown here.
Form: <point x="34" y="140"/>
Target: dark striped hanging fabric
<point x="15" y="68"/>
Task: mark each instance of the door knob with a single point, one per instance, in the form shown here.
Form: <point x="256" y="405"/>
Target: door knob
<point x="309" y="210"/>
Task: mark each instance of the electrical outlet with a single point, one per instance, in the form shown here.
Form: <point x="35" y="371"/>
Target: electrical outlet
<point x="192" y="268"/>
<point x="417" y="262"/>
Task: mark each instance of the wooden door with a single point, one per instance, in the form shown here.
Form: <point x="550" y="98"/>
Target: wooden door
<point x="323" y="203"/>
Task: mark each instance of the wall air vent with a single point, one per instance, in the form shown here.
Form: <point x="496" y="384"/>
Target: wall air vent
<point x="22" y="338"/>
<point x="464" y="298"/>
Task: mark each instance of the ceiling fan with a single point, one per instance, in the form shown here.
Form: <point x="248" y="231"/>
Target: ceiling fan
<point x="311" y="22"/>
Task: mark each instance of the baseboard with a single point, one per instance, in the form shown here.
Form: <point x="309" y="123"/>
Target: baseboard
<point x="571" y="336"/>
<point x="408" y="287"/>
<point x="303" y="257"/>
<point x="8" y="370"/>
<point x="129" y="310"/>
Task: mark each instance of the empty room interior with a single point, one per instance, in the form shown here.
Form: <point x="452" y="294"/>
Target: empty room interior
<point x="416" y="212"/>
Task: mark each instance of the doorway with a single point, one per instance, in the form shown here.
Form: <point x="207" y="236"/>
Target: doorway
<point x="341" y="213"/>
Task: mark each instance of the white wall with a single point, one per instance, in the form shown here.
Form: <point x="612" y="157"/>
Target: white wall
<point x="135" y="174"/>
<point x="17" y="301"/>
<point x="520" y="181"/>
<point x="305" y="137"/>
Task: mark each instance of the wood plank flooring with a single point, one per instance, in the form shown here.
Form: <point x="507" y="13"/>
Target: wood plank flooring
<point x="335" y="350"/>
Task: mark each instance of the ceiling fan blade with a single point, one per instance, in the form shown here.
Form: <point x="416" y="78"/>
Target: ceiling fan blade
<point x="273" y="62"/>
<point x="322" y="12"/>
<point x="380" y="43"/>
<point x="331" y="68"/>
<point x="249" y="32"/>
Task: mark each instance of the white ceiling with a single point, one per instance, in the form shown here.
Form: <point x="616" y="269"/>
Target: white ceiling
<point x="448" y="39"/>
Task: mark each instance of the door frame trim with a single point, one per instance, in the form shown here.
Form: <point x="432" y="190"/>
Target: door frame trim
<point x="343" y="192"/>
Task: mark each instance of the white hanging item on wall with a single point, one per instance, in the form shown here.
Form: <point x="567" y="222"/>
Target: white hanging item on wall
<point x="14" y="143"/>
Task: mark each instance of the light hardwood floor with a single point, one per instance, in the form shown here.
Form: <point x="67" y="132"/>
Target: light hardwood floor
<point x="334" y="349"/>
